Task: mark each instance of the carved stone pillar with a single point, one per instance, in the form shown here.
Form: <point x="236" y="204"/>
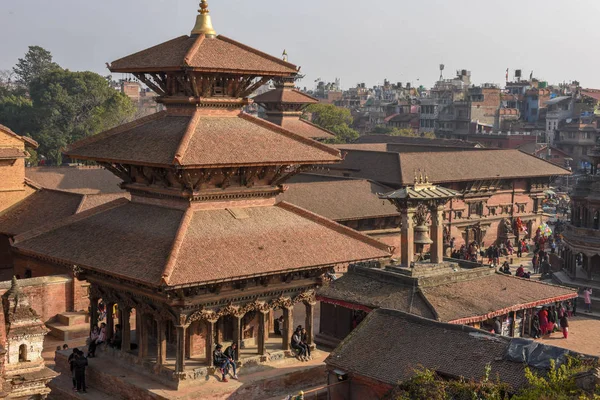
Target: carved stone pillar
<point x="237" y="332"/>
<point x="110" y="321"/>
<point x="161" y="342"/>
<point x="125" y="328"/>
<point x="437" y="234"/>
<point x="211" y="330"/>
<point x="407" y="239"/>
<point x="288" y="326"/>
<point x="93" y="312"/>
<point x="142" y="336"/>
<point x="180" y="351"/>
<point x="308" y="323"/>
<point x="263" y="331"/>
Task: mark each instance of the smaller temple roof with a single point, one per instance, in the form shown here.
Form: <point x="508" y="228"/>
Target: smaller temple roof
<point x="389" y="345"/>
<point x="284" y="95"/>
<point x="201" y="138"/>
<point x="305" y="128"/>
<point x="84" y="180"/>
<point x="421" y="190"/>
<point x="27" y="140"/>
<point x="204" y="54"/>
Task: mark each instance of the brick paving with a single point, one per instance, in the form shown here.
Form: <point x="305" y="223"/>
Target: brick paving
<point x="584" y="336"/>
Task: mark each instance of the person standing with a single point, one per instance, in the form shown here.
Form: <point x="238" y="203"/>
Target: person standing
<point x="535" y="262"/>
<point x="71" y="361"/>
<point x="497" y="326"/>
<point x="221" y="361"/>
<point x="80" y="364"/>
<point x="587" y="299"/>
<point x="543" y="316"/>
<point x="564" y="324"/>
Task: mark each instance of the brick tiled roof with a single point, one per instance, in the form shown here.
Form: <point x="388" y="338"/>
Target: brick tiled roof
<point x="341" y="200"/>
<point x="73" y="179"/>
<point x="28" y="141"/>
<point x="451" y="166"/>
<point x="284" y="95"/>
<point x="415" y="140"/>
<point x="202" y="139"/>
<point x="200" y="53"/>
<point x="305" y="129"/>
<point x="199" y="246"/>
<point x="389" y="345"/>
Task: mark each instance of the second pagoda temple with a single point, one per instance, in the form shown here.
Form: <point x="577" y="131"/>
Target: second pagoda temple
<point x="202" y="253"/>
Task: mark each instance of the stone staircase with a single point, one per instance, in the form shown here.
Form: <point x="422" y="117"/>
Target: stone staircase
<point x="70" y="325"/>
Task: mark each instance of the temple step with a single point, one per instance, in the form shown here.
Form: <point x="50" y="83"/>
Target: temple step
<point x="61" y="387"/>
<point x="73" y="318"/>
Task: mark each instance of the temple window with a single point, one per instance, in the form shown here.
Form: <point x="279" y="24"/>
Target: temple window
<point x="597" y="220"/>
<point x="23" y="353"/>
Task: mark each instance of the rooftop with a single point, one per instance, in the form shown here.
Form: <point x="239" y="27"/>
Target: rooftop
<point x="404" y="342"/>
<point x="83" y="180"/>
<point x="341" y="200"/>
<point x="159" y="246"/>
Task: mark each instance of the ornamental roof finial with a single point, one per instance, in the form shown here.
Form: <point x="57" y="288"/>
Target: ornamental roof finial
<point x="204" y="22"/>
<point x="284" y="56"/>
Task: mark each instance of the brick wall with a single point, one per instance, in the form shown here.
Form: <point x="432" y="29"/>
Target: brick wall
<point x="48" y="295"/>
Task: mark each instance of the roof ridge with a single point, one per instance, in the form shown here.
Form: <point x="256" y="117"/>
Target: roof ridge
<point x="334" y="225"/>
<point x="257" y="52"/>
<point x="114" y="131"/>
<point x="68" y="220"/>
<point x="193" y="49"/>
<point x="315" y="126"/>
<point x="187" y="137"/>
<point x="177" y="243"/>
<point x="290" y="134"/>
<point x="144" y="50"/>
<point x="23" y="138"/>
<point x="544" y="160"/>
<point x="33" y="184"/>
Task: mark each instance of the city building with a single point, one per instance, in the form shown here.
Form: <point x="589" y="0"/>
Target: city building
<point x="577" y="138"/>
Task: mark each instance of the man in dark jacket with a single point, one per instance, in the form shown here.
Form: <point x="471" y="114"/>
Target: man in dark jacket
<point x="231" y="354"/>
<point x="71" y="361"/>
<point x="80" y="364"/>
<point x="221" y="361"/>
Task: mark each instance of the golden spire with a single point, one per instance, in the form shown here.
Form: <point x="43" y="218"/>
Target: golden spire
<point x="284" y="56"/>
<point x="203" y="21"/>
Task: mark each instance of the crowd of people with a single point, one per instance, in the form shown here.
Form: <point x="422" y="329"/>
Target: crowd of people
<point x="553" y="318"/>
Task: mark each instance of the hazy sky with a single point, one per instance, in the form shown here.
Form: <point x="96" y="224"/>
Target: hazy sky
<point x="355" y="40"/>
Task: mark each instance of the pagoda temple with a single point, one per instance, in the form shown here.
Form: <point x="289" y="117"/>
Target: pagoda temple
<point x="203" y="252"/>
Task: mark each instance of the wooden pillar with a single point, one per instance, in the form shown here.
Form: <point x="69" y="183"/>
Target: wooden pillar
<point x="237" y="332"/>
<point x="308" y="323"/>
<point x="437" y="234"/>
<point x="263" y="331"/>
<point x="142" y="336"/>
<point x="125" y="327"/>
<point x="288" y="327"/>
<point x="161" y="342"/>
<point x="110" y="321"/>
<point x="93" y="312"/>
<point x="407" y="239"/>
<point x="211" y="331"/>
<point x="180" y="351"/>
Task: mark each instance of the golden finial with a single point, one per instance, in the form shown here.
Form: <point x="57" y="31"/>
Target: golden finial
<point x="284" y="56"/>
<point x="426" y="177"/>
<point x="203" y="21"/>
<point x="420" y="176"/>
<point x="416" y="177"/>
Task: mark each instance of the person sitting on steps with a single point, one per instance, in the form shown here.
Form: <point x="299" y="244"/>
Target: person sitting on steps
<point x="297" y="345"/>
<point x="220" y="360"/>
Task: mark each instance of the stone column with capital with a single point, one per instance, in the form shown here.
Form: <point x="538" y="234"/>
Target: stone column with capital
<point x="437" y="234"/>
<point x="211" y="331"/>
<point x="288" y="327"/>
<point x="308" y="323"/>
<point x="407" y="239"/>
<point x="93" y="312"/>
<point x="237" y="332"/>
<point x="263" y="331"/>
<point x="161" y="343"/>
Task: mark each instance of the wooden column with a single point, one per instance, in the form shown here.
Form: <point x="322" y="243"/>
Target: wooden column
<point x="407" y="238"/>
<point x="288" y="327"/>
<point x="308" y="323"/>
<point x="93" y="312"/>
<point x="125" y="327"/>
<point x="263" y="331"/>
<point x="142" y="336"/>
<point x="437" y="234"/>
<point x="237" y="332"/>
<point x="180" y="351"/>
<point x="211" y="331"/>
<point x="161" y="342"/>
<point x="110" y="322"/>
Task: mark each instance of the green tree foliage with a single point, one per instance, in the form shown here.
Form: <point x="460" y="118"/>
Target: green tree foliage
<point x="37" y="62"/>
<point x="335" y="119"/>
<point x="558" y="384"/>
<point x="60" y="106"/>
<point x="393" y="131"/>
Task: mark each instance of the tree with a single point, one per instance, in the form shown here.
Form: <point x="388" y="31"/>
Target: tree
<point x="68" y="106"/>
<point x="334" y="119"/>
<point x="37" y="62"/>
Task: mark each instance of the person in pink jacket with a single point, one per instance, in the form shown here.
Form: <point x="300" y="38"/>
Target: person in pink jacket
<point x="587" y="299"/>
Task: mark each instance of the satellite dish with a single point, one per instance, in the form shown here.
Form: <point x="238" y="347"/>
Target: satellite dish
<point x="568" y="120"/>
